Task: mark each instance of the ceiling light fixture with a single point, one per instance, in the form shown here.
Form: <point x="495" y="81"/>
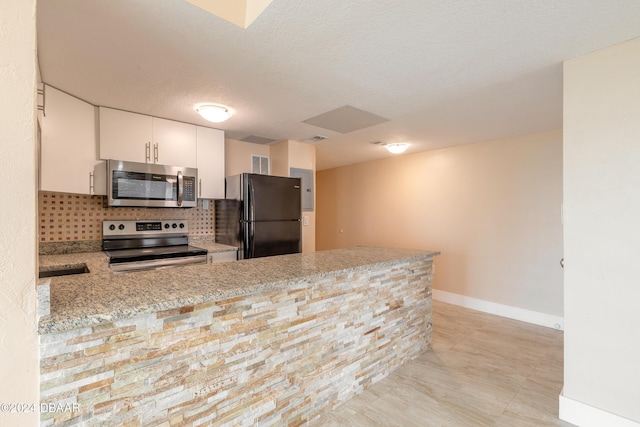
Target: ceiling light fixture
<point x="397" y="148"/>
<point x="215" y="113"/>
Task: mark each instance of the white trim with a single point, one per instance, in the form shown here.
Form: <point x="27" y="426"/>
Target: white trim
<point x="584" y="415"/>
<point x="524" y="315"/>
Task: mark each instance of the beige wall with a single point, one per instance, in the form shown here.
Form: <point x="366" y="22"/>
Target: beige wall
<point x="18" y="338"/>
<point x="303" y="156"/>
<point x="279" y="153"/>
<point x="492" y="209"/>
<point x="602" y="230"/>
<point x="293" y="154"/>
<point x="237" y="155"/>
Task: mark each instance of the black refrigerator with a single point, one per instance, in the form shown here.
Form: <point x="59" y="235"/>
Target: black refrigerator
<point x="260" y="215"/>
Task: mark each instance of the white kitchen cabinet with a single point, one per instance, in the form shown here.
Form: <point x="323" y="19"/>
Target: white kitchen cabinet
<point x="174" y="143"/>
<point x="68" y="151"/>
<point x="125" y="136"/>
<point x="210" y="149"/>
<point x="139" y="138"/>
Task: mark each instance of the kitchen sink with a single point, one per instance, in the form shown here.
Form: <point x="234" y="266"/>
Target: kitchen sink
<point x="67" y="270"/>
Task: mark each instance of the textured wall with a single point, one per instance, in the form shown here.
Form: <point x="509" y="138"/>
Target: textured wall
<point x="18" y="338"/>
<point x="237" y="155"/>
<point x="492" y="209"/>
<point x="273" y="358"/>
<point x="602" y="229"/>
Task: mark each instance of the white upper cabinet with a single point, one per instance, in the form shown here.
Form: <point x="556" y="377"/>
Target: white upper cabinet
<point x="139" y="138"/>
<point x="174" y="143"/>
<point x="68" y="152"/>
<point x="210" y="163"/>
<point x="125" y="136"/>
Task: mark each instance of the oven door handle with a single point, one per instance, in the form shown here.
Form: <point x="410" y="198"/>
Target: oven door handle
<point x="180" y="187"/>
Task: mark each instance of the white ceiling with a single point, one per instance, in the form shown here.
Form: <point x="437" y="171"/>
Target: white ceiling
<point x="443" y="72"/>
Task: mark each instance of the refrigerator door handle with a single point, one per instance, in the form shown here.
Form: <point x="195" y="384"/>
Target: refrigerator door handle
<point x="252" y="218"/>
<point x="252" y="210"/>
<point x="252" y="240"/>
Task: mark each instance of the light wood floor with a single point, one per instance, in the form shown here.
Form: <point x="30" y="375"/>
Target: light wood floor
<point x="482" y="370"/>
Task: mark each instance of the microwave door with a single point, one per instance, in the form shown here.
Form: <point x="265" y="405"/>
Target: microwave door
<point x="145" y="185"/>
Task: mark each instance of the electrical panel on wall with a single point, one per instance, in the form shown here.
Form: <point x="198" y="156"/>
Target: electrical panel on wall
<point x="306" y="176"/>
<point x="260" y="164"/>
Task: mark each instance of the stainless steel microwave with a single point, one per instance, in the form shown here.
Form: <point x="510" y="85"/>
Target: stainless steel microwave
<point x="150" y="185"/>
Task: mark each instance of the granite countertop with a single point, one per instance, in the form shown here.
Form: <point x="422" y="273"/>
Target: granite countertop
<point x="103" y="296"/>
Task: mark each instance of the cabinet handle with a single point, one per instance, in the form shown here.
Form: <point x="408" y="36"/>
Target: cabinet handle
<point x="200" y="188"/>
<point x="91" y="186"/>
<point x="147" y="152"/>
<point x="562" y="263"/>
<point x="155" y="152"/>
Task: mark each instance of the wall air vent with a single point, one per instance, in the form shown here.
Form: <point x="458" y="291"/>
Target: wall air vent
<point x="260" y="164"/>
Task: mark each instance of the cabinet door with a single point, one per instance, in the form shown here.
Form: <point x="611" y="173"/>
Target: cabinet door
<point x="174" y="143"/>
<point x="68" y="152"/>
<point x="125" y="136"/>
<point x="210" y="163"/>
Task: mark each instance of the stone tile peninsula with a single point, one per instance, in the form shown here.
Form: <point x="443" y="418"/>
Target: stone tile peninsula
<point x="269" y="341"/>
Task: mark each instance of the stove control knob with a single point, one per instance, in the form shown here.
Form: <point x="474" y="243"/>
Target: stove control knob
<point x="121" y="227"/>
<point x="174" y="225"/>
<point x="112" y="227"/>
<point x="181" y="225"/>
<point x="166" y="225"/>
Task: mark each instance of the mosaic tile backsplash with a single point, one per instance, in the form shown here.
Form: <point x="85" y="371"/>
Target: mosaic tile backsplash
<point x="64" y="217"/>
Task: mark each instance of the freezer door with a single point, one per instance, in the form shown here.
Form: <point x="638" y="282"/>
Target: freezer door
<point x="269" y="238"/>
<point x="272" y="198"/>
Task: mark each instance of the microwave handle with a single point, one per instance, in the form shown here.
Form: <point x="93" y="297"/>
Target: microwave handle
<point x="180" y="187"/>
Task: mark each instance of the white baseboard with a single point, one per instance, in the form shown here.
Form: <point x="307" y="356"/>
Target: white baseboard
<point x="537" y="318"/>
<point x="584" y="415"/>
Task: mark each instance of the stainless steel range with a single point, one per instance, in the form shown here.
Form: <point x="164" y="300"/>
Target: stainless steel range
<point x="146" y="245"/>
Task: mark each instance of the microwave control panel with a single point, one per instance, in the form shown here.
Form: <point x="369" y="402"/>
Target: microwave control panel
<point x="189" y="190"/>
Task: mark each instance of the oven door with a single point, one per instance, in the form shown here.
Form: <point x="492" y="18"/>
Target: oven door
<point x="156" y="264"/>
<point x="146" y="185"/>
<point x="151" y="258"/>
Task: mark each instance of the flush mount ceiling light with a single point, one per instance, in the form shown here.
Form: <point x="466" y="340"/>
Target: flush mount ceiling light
<point x="215" y="113"/>
<point x="397" y="148"/>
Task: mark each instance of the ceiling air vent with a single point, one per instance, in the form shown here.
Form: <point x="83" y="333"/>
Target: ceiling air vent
<point x="345" y="119"/>
<point x="255" y="139"/>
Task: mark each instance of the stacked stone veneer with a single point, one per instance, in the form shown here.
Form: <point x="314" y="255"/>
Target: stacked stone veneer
<point x="282" y="357"/>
